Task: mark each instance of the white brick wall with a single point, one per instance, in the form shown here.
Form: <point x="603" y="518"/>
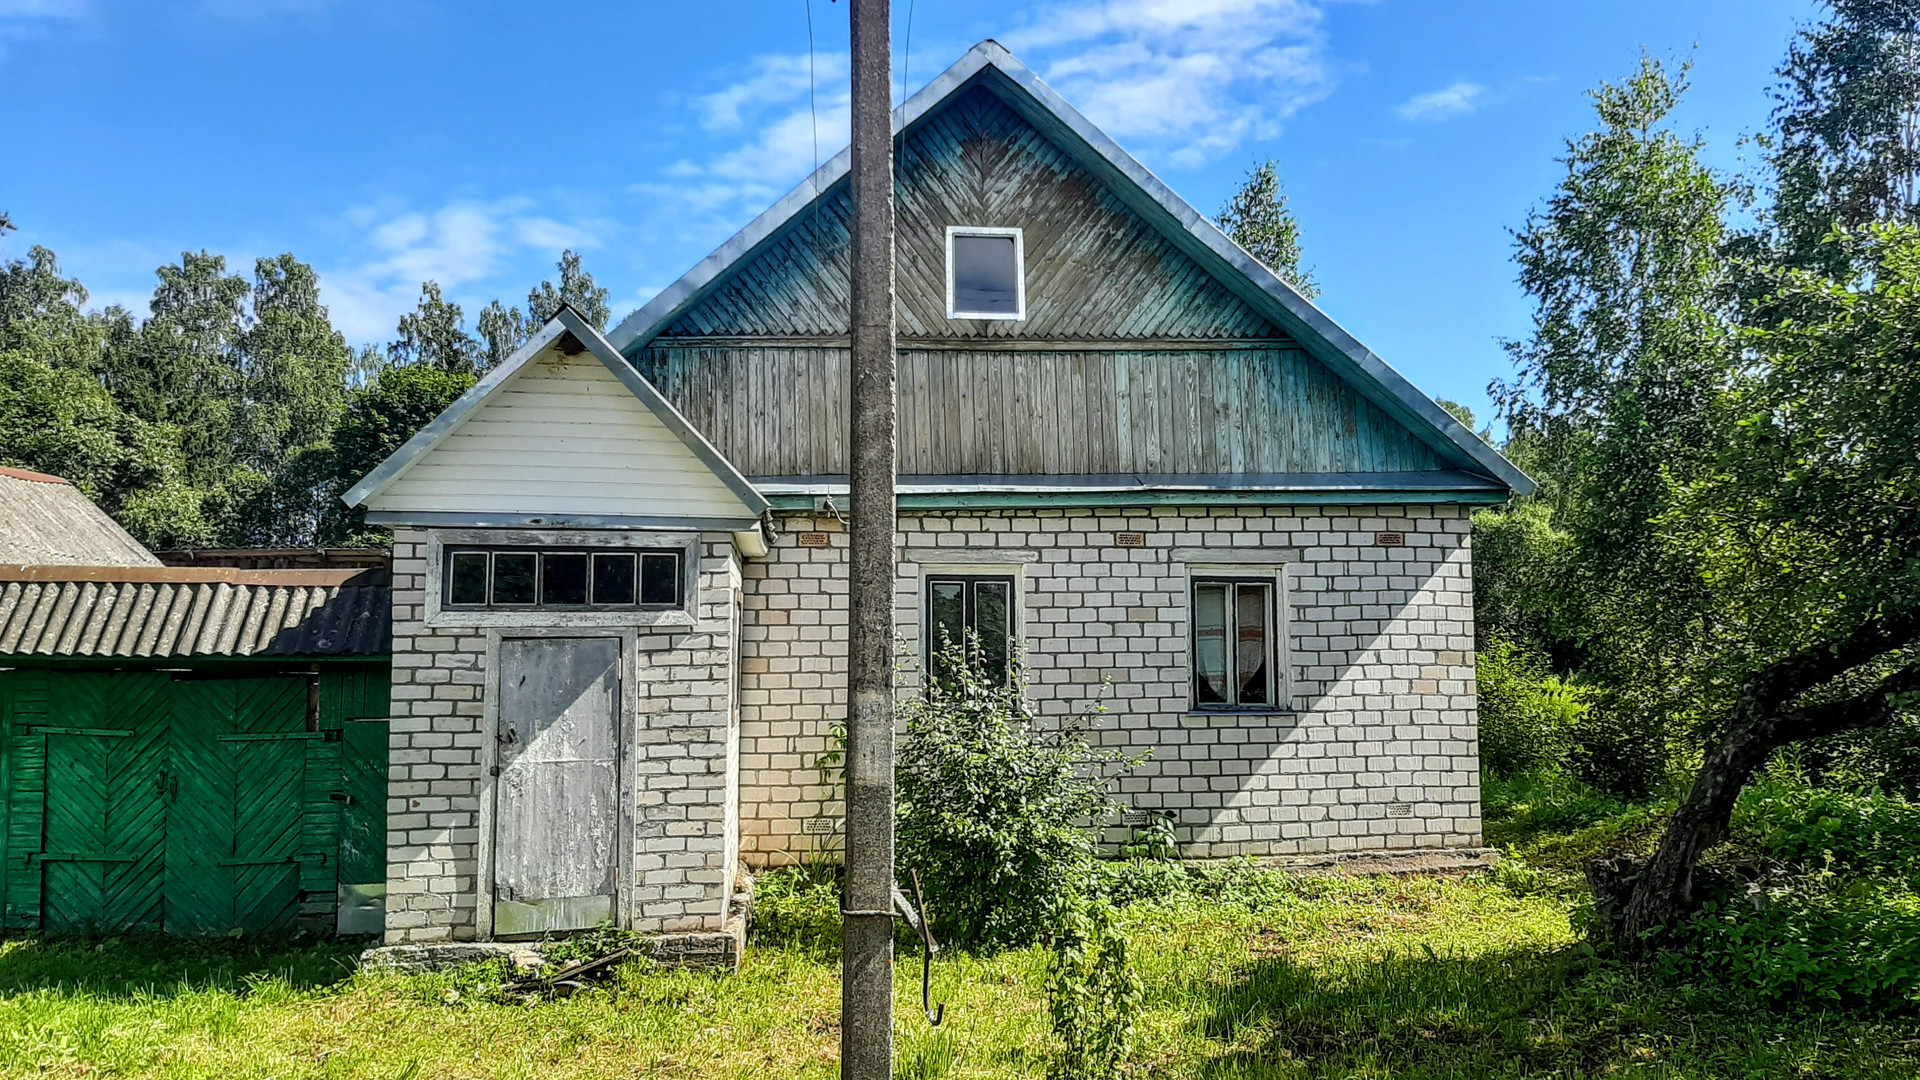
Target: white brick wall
<point x="684" y="730"/>
<point x="1380" y="751"/>
<point x="1381" y="654"/>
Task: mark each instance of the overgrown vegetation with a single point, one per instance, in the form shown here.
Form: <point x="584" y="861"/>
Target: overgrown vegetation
<point x="995" y="804"/>
<point x="1266" y="976"/>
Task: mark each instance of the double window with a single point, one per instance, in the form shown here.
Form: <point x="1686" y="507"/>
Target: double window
<point x="535" y="578"/>
<point x="972" y="614"/>
<point x="1235" y="656"/>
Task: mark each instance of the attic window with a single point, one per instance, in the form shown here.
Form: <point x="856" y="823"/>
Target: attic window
<point x="986" y="273"/>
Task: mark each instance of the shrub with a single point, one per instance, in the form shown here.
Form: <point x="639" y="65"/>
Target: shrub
<point x="1528" y="715"/>
<point x="1810" y="939"/>
<point x="1093" y="993"/>
<point x="994" y="806"/>
<point x="1815" y="827"/>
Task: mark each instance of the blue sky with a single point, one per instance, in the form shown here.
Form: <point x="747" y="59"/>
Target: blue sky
<point x="395" y="140"/>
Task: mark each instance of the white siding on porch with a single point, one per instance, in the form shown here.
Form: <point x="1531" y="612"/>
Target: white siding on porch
<point x="564" y="438"/>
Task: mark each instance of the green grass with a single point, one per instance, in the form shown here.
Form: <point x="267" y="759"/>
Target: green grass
<point x="1331" y="978"/>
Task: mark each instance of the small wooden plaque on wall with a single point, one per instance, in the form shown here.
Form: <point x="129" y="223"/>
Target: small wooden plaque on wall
<point x="814" y="539"/>
<point x="1129" y="539"/>
<point x="1390" y="539"/>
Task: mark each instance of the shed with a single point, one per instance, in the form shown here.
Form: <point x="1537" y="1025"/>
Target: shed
<point x="194" y="750"/>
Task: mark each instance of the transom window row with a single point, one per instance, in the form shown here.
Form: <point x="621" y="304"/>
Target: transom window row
<point x="543" y="578"/>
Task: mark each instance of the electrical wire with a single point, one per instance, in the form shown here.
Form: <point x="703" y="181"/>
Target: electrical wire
<point x="906" y="56"/>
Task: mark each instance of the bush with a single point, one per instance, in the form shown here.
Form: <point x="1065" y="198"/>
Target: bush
<point x="994" y="806"/>
<point x="1528" y="715"/>
<point x="1820" y="828"/>
<point x="1093" y="993"/>
<point x="1810" y="939"/>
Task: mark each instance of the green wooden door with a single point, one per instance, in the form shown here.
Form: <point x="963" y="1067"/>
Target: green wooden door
<point x="105" y="815"/>
<point x="234" y="838"/>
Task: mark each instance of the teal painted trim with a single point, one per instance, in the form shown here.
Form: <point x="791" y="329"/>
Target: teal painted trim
<point x="1040" y="500"/>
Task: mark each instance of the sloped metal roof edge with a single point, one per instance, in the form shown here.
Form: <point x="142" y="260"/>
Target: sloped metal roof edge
<point x="1194" y="233"/>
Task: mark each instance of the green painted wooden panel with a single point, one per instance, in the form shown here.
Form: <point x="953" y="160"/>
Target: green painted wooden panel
<point x="105" y="819"/>
<point x="363" y="824"/>
<point x="235" y="830"/>
<point x="25" y="769"/>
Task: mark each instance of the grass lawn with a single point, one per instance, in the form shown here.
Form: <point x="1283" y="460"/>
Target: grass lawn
<point x="1332" y="978"/>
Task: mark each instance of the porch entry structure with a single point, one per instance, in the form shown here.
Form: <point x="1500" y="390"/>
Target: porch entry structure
<point x="556" y="813"/>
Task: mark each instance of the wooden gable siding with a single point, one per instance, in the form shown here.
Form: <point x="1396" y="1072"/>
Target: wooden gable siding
<point x="1095" y="270"/>
<point x="782" y="411"/>
<point x="564" y="438"/>
<point x="1131" y="359"/>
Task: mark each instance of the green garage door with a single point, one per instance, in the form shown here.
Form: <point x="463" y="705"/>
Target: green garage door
<point x="194" y="805"/>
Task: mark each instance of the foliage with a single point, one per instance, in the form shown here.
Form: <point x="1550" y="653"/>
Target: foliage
<point x="1529" y="717"/>
<point x="995" y="804"/>
<point x="234" y="414"/>
<point x="1846" y="147"/>
<point x="1093" y="993"/>
<point x="1257" y="218"/>
<point x="1818" y="939"/>
<point x="798" y="907"/>
<point x="504" y="329"/>
<point x="433" y="335"/>
<point x="1863" y="833"/>
<point x="378" y="420"/>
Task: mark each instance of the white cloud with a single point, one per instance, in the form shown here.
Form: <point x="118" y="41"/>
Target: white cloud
<point x="797" y="118"/>
<point x="460" y="245"/>
<point x="1192" y="79"/>
<point x="1445" y="103"/>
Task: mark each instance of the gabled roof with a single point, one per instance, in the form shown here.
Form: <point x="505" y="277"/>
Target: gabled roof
<point x="564" y="322"/>
<point x="49" y="522"/>
<point x="990" y="65"/>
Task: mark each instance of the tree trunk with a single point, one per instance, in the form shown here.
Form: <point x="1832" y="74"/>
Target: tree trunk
<point x="1660" y="893"/>
<point x="1636" y="899"/>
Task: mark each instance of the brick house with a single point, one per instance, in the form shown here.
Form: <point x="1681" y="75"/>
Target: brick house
<point x="1126" y="448"/>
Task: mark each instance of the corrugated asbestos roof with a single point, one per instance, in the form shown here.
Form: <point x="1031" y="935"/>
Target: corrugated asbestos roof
<point x="193" y="618"/>
<point x="46" y="520"/>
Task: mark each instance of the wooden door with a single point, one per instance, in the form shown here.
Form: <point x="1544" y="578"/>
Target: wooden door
<point x="105" y="811"/>
<point x="556" y="802"/>
<point x="237" y="821"/>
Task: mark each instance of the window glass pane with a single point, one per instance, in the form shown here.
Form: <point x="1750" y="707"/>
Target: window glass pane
<point x="660" y="579"/>
<point x="1251" y="650"/>
<point x="992" y="622"/>
<point x="985" y="276"/>
<point x="1210" y="645"/>
<point x="946" y="620"/>
<point x="613" y="579"/>
<point x="563" y="578"/>
<point x="467" y="577"/>
<point x="513" y="573"/>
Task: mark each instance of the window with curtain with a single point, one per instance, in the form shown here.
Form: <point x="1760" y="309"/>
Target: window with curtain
<point x="1235" y="655"/>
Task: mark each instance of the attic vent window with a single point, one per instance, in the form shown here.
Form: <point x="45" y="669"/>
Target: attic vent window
<point x="986" y="273"/>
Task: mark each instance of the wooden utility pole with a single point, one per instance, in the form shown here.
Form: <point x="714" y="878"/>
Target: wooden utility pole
<point x="866" y="994"/>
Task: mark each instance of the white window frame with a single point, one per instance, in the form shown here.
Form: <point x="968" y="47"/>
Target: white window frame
<point x="1019" y="271"/>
